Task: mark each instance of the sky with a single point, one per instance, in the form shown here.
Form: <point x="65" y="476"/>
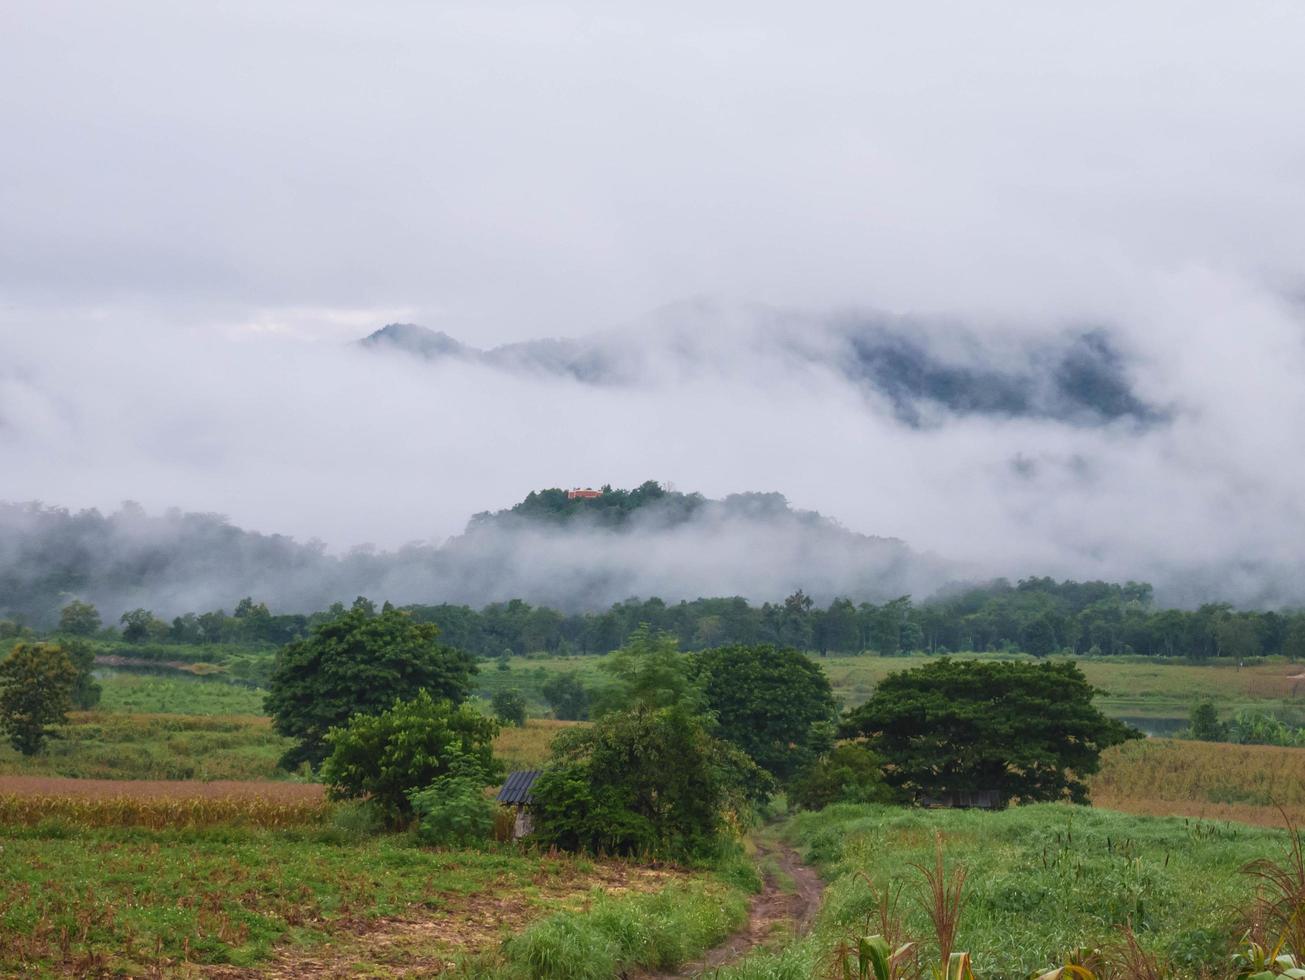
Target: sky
<point x="201" y="206"/>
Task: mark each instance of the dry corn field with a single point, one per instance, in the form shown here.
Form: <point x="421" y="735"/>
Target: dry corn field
<point x="528" y="747"/>
<point x="1215" y="780"/>
<point x="159" y="804"/>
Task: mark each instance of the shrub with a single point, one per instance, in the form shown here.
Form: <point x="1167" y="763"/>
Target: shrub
<point x="848" y="774"/>
<point x="1205" y="723"/>
<point x="646" y="781"/>
<point x="454" y="811"/>
<point x="386" y="756"/>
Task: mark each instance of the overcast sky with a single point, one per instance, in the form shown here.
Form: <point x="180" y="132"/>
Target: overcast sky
<point x="200" y="203"/>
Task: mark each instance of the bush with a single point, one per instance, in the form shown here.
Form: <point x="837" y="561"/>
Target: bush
<point x="646" y="781"/>
<point x="849" y="774"/>
<point x="510" y="708"/>
<point x="454" y="811"/>
<point x="385" y="757"/>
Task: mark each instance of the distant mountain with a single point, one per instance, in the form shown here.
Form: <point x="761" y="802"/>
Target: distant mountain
<point x="571" y="553"/>
<point x="920" y="371"/>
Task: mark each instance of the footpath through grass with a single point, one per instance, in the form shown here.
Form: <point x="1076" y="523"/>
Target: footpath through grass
<point x="1041" y="882"/>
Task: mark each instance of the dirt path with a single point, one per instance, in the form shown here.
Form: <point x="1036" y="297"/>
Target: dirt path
<point x="773" y="910"/>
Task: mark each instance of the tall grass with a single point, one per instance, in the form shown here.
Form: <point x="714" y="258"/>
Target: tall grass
<point x="108" y="745"/>
<point x="657" y="931"/>
<point x="1041" y="882"/>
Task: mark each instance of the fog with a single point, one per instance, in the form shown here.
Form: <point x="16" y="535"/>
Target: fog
<point x="202" y="210"/>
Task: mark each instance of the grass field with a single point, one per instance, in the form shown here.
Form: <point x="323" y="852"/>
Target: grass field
<point x="152" y="694"/>
<point x="193" y="875"/>
<point x="1041" y="881"/>
<point x="1155" y="695"/>
<point x="84" y="900"/>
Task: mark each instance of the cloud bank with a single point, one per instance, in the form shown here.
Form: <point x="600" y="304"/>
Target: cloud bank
<point x="202" y="209"/>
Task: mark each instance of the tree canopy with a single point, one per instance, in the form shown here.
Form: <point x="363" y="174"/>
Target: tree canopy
<point x="359" y="663"/>
<point x="36" y="685"/>
<point x="648" y="672"/>
<point x="1027" y="731"/>
<point x="774" y="704"/>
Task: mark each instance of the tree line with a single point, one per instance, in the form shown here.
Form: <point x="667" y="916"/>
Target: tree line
<point x="1036" y="615"/>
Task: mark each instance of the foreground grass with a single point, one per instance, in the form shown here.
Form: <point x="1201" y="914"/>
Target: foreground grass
<point x="76" y="899"/>
<point x="1042" y="880"/>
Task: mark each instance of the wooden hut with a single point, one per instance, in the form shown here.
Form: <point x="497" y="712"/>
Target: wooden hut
<point x="516" y="794"/>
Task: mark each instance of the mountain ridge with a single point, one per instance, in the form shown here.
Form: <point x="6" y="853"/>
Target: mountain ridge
<point x="919" y="371"/>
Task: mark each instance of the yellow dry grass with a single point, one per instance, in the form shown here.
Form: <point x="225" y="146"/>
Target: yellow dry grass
<point x="528" y="747"/>
<point x="1213" y="780"/>
<point x="158" y="804"/>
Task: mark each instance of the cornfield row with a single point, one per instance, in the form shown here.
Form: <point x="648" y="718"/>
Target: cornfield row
<point x="159" y="813"/>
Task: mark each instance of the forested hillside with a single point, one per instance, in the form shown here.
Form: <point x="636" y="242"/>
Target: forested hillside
<point x="574" y="555"/>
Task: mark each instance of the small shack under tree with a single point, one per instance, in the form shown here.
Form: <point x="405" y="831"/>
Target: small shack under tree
<point x="516" y="794"/>
<point x="981" y="799"/>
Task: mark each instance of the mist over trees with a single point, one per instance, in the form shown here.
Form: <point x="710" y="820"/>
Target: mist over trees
<point x="571" y="555"/>
<point x="556" y="573"/>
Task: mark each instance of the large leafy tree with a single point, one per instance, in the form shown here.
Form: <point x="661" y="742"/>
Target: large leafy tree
<point x="774" y="704"/>
<point x="358" y="663"/>
<point x="1028" y="731"/>
<point x="79" y="618"/>
<point x="387" y="756"/>
<point x="648" y="780"/>
<point x="36" y="684"/>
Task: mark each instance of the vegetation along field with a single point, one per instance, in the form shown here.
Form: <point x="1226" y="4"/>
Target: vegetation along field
<point x="198" y="815"/>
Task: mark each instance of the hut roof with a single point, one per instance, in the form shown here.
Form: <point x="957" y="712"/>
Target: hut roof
<point x="517" y="787"/>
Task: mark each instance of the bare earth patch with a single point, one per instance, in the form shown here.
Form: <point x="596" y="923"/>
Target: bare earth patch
<point x="427" y="943"/>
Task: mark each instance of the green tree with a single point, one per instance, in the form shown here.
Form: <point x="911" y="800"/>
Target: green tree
<point x="1025" y="730"/>
<point x="776" y="705"/>
<point x="140" y="625"/>
<point x="357" y="663"/>
<point x="1039" y="637"/>
<point x="36" y="683"/>
<point x="85" y="691"/>
<point x="848" y="774"/>
<point x="509" y="707"/>
<point x="1237" y="636"/>
<point x="650" y="780"/>
<point x="567" y="697"/>
<point x="648" y="672"/>
<point x="1205" y="723"/>
<point x="386" y="756"/>
<point x="79" y="619"/>
<point x="1293" y="645"/>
